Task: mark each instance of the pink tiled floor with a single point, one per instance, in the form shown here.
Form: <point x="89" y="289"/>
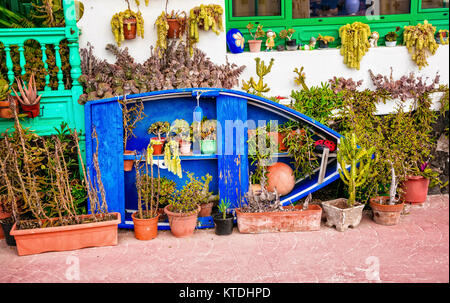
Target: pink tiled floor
<point x="416" y="250"/>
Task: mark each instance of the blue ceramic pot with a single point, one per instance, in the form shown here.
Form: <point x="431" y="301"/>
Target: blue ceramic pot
<point x="235" y="41"/>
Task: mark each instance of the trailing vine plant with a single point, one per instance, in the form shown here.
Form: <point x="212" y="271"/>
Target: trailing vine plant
<point x="419" y="39"/>
<point x="117" y="23"/>
<point x="355" y="43"/>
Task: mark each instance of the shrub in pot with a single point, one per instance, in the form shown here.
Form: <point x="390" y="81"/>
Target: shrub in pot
<point x="223" y="221"/>
<point x="255" y="44"/>
<point x="342" y="212"/>
<point x="183" y="208"/>
<point x="170" y="26"/>
<point x="158" y="128"/>
<point x="291" y="44"/>
<point x="391" y="38"/>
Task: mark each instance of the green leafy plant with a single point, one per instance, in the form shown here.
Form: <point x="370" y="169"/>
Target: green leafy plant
<point x="223" y="207"/>
<point x="209" y="130"/>
<point x="158" y="128"/>
<point x="392" y="36"/>
<point x="259" y="32"/>
<point x="117" y="23"/>
<point x="355" y="43"/>
<point x="287" y="34"/>
<point x="258" y="88"/>
<point x="190" y="196"/>
<point x="182" y="130"/>
<point x="301" y="77"/>
<point x="419" y="39"/>
<point x="261" y="147"/>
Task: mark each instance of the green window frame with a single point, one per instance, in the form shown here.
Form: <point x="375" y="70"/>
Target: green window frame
<point x="309" y="27"/>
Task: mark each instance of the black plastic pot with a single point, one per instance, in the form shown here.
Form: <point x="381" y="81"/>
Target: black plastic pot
<point x="223" y="227"/>
<point x="6" y="229"/>
<point x="323" y="44"/>
<point x="291" y="44"/>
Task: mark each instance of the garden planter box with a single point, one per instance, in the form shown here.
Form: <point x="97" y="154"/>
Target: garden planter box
<point x="342" y="218"/>
<point x="288" y="221"/>
<point x="62" y="238"/>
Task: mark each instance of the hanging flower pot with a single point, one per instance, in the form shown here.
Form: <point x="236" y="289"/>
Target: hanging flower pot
<point x="129" y="28"/>
<point x="384" y="213"/>
<point x="145" y="229"/>
<point x="415" y="189"/>
<point x="175" y="28"/>
<point x="182" y="224"/>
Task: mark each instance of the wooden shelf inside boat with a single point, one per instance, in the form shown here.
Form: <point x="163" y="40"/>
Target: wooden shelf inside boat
<point x="182" y="157"/>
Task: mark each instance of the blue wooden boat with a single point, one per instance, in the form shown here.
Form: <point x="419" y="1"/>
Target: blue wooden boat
<point x="230" y="170"/>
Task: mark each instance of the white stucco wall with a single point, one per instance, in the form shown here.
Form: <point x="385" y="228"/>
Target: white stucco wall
<point x="319" y="65"/>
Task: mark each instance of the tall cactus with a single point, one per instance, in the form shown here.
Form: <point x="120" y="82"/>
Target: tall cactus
<point x="360" y="161"/>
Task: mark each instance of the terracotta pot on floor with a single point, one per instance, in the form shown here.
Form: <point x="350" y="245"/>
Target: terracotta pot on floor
<point x="415" y="189"/>
<point x="205" y="209"/>
<point x="145" y="229"/>
<point x="385" y="214"/>
<point x="181" y="224"/>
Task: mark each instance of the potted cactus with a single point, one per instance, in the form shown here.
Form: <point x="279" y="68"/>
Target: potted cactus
<point x="342" y="212"/>
<point x="158" y="128"/>
<point x="223" y="221"/>
<point x="291" y="44"/>
<point x="28" y="98"/>
<point x="255" y="44"/>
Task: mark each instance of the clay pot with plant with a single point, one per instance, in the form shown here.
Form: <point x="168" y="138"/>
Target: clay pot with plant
<point x="183" y="134"/>
<point x="291" y="44"/>
<point x="206" y="198"/>
<point x="158" y="128"/>
<point x="391" y="38"/>
<point x="255" y="44"/>
<point x="209" y="137"/>
<point x="145" y="219"/>
<point x="5" y="98"/>
<point x="127" y="24"/>
<point x="184" y="207"/>
<point x="170" y="26"/>
<point x="223" y="221"/>
<point x="442" y="36"/>
<point x="28" y="98"/>
<point x="344" y="213"/>
<point x="324" y="41"/>
<point x="131" y="115"/>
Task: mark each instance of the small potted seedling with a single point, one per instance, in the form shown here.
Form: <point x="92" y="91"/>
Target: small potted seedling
<point x="391" y="38"/>
<point x="291" y="44"/>
<point x="224" y="220"/>
<point x="324" y="40"/>
<point x="255" y="44"/>
<point x="158" y="128"/>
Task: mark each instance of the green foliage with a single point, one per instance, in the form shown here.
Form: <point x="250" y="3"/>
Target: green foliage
<point x="224" y="205"/>
<point x="261" y="147"/>
<point x="360" y="162"/>
<point x="158" y="128"/>
<point x="317" y="102"/>
<point x="259" y="32"/>
<point x="258" y="88"/>
<point x="300" y="79"/>
<point x="193" y="193"/>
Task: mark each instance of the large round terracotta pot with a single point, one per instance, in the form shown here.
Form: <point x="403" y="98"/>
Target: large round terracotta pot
<point x="181" y="224"/>
<point x="383" y="213"/>
<point x="281" y="176"/>
<point x="415" y="189"/>
<point x="145" y="229"/>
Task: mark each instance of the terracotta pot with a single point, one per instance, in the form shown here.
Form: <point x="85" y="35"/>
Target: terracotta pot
<point x="181" y="224"/>
<point x="129" y="28"/>
<point x="63" y="238"/>
<point x="385" y="214"/>
<point x="158" y="148"/>
<point x="283" y="221"/>
<point x="3" y="215"/>
<point x="5" y="111"/>
<point x="280" y="176"/>
<point x="128" y="164"/>
<point x="342" y="218"/>
<point x="254" y="45"/>
<point x="32" y="110"/>
<point x="415" y="189"/>
<point x="145" y="229"/>
<point x="175" y="29"/>
<point x="205" y="209"/>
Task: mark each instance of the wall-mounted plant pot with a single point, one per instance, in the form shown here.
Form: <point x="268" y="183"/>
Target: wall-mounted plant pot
<point x="129" y="28"/>
<point x="181" y="224"/>
<point x="205" y="209"/>
<point x="341" y="216"/>
<point x="383" y="213"/>
<point x="208" y="147"/>
<point x="291" y="45"/>
<point x="391" y="43"/>
<point x="69" y="237"/>
<point x="280" y="221"/>
<point x="145" y="229"/>
<point x="128" y="164"/>
<point x="32" y="110"/>
<point x="158" y="148"/>
<point x="185" y="147"/>
<point x="254" y="45"/>
<point x="415" y="189"/>
<point x="322" y="44"/>
<point x="223" y="227"/>
<point x="175" y="29"/>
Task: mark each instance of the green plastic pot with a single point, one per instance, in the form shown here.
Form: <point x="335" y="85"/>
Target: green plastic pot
<point x="209" y="147"/>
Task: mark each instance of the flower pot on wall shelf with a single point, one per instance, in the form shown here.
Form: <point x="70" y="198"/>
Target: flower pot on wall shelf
<point x="280" y="221"/>
<point x="383" y="213"/>
<point x="128" y="164"/>
<point x="129" y="28"/>
<point x="291" y="45"/>
<point x="415" y="189"/>
<point x="185" y="147"/>
<point x="145" y="229"/>
<point x="68" y="237"/>
<point x="323" y="44"/>
<point x="158" y="148"/>
<point x="340" y="215"/>
<point x="391" y="43"/>
<point x="254" y="45"/>
<point x="208" y="147"/>
<point x="182" y="224"/>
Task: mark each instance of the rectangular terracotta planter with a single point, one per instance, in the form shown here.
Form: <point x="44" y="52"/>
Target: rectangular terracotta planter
<point x="289" y="221"/>
<point x="62" y="238"/>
